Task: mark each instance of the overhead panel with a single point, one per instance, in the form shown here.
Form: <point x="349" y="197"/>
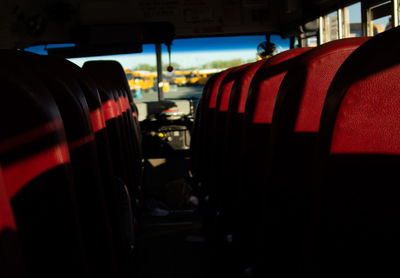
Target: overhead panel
<point x="40" y="21"/>
<point x="190" y="17"/>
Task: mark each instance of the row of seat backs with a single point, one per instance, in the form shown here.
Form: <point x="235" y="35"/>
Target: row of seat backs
<point x="288" y="155"/>
<point x="277" y="140"/>
<point x="231" y="134"/>
<point x="206" y="155"/>
<point x="57" y="171"/>
<point x="114" y="90"/>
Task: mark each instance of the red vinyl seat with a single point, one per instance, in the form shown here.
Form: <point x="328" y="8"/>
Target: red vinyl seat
<point x="11" y="259"/>
<point x="292" y="142"/>
<point x="237" y="104"/>
<point x="230" y="138"/>
<point x="353" y="229"/>
<point x="260" y="105"/>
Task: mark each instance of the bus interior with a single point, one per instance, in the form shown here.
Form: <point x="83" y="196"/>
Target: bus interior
<point x="199" y="138"/>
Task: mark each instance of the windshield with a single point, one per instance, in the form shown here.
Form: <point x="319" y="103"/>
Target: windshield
<point x="193" y="61"/>
<point x="199" y="58"/>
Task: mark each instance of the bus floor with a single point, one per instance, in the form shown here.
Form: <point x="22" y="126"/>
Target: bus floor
<point x="175" y="248"/>
<point x="172" y="243"/>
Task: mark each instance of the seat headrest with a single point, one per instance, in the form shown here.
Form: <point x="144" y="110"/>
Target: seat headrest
<point x="265" y="85"/>
<point x="212" y="96"/>
<point x="241" y="87"/>
<point x="226" y="87"/>
<point x="111" y="71"/>
<point x="305" y="86"/>
<point x="361" y="113"/>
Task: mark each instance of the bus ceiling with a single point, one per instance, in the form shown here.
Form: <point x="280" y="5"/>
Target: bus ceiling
<point x="30" y="22"/>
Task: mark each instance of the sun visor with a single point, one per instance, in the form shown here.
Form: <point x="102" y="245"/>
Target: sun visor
<point x="111" y="39"/>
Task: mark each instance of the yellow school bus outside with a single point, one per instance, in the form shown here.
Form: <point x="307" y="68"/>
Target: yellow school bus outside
<point x="179" y="78"/>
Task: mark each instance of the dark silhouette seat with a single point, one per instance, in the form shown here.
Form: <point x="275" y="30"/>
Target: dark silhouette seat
<point x="196" y="144"/>
<point x="249" y="161"/>
<point x="206" y="150"/>
<point x="224" y="192"/>
<point x="38" y="177"/>
<point x="111" y="77"/>
<point x="60" y="78"/>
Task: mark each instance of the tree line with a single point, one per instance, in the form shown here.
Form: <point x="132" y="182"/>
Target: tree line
<point x="219" y="64"/>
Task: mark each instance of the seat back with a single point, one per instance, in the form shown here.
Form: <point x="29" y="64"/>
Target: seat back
<point x="260" y="106"/>
<point x="197" y="136"/>
<point x="117" y="76"/>
<point x="103" y="76"/>
<point x="58" y="75"/>
<point x="201" y="150"/>
<point x="208" y="131"/>
<point x="292" y="142"/>
<point x="354" y="197"/>
<point x="237" y="104"/>
<point x="224" y="192"/>
<point x="249" y="164"/>
<point x="222" y="107"/>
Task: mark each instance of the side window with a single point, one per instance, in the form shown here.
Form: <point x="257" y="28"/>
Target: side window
<point x="331" y="27"/>
<point x="352" y="26"/>
<point x="311" y="41"/>
<point x="398" y="12"/>
<point x="379" y="18"/>
<point x="309" y="37"/>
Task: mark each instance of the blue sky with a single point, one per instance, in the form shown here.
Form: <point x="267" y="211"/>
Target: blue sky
<point x="354" y="12"/>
